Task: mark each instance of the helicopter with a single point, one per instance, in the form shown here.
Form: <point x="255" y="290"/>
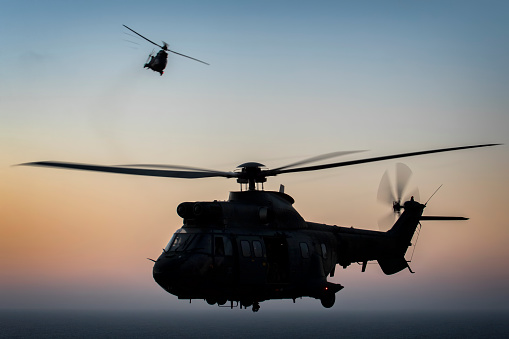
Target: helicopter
<point x="256" y="247"/>
<point x="158" y="62"/>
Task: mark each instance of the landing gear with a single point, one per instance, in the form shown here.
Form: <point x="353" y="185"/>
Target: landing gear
<point x="220" y="301"/>
<point x="328" y="300"/>
<point x="245" y="304"/>
<point x="256" y="306"/>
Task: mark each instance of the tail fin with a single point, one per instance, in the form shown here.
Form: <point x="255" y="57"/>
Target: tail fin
<point x="401" y="234"/>
<point x="404" y="228"/>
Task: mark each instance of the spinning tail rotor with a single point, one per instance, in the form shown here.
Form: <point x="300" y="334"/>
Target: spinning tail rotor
<point x="151" y="55"/>
<point x="393" y="196"/>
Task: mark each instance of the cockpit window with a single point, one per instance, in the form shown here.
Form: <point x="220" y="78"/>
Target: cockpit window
<point x="191" y="242"/>
<point x="180" y="242"/>
<point x="167" y="248"/>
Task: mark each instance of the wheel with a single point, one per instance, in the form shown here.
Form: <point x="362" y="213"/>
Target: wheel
<point x="328" y="300"/>
<point x="256" y="307"/>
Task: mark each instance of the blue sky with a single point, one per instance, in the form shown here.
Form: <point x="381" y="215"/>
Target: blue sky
<point x="287" y="80"/>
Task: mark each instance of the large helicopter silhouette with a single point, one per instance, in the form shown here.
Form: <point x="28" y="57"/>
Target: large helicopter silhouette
<point x="256" y="246"/>
<point x="158" y="62"/>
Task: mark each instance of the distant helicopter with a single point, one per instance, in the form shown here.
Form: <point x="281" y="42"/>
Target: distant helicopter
<point x="158" y="62"/>
<point x="256" y="246"/>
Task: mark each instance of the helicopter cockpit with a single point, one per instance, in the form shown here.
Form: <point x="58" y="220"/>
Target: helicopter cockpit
<point x="185" y="263"/>
<point x="195" y="242"/>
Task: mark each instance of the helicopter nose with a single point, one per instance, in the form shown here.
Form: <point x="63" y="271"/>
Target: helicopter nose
<point x="180" y="274"/>
<point x="166" y="272"/>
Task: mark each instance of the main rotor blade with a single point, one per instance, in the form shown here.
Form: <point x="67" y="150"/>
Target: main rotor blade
<point x="133" y="171"/>
<point x="375" y="159"/>
<point x="179" y="167"/>
<point x="403" y="174"/>
<point x="143" y="36"/>
<point x="203" y="62"/>
<point x="317" y="158"/>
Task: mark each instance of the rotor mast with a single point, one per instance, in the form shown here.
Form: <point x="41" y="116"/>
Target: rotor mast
<point x="251" y="174"/>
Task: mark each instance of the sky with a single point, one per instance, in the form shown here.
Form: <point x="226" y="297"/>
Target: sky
<point x="287" y="80"/>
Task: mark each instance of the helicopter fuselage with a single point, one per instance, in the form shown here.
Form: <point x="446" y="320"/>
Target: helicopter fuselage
<point x="158" y="62"/>
<point x="256" y="247"/>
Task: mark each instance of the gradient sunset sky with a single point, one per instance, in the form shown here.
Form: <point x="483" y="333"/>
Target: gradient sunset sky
<point x="287" y="80"/>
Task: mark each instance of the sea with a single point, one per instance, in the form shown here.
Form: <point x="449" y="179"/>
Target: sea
<point x="246" y="324"/>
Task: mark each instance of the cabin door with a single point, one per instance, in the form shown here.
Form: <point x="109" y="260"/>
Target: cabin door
<point x="251" y="259"/>
<point x="223" y="259"/>
<point x="278" y="271"/>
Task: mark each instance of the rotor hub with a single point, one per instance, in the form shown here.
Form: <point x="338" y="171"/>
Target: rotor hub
<point x="251" y="174"/>
<point x="396" y="206"/>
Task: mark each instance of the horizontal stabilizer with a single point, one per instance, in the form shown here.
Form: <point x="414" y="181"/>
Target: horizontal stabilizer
<point x="429" y="217"/>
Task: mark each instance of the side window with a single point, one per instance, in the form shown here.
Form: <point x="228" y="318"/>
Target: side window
<point x="201" y="243"/>
<point x="228" y="250"/>
<point x="324" y="251"/>
<point x="257" y="249"/>
<point x="246" y="249"/>
<point x="304" y="250"/>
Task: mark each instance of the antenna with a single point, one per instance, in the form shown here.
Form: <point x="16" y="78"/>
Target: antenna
<point x="433" y="195"/>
